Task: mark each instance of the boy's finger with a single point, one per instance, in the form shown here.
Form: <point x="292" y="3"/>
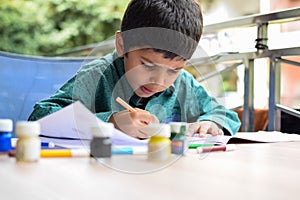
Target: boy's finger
<point x="193" y="128"/>
<point x="141" y="135"/>
<point x="220" y="132"/>
<point x="214" y="132"/>
<point x="203" y="132"/>
<point x="141" y="118"/>
<point x="154" y="119"/>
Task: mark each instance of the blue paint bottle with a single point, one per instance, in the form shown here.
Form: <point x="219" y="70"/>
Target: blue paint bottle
<point x="6" y="127"/>
<point x="178" y="139"/>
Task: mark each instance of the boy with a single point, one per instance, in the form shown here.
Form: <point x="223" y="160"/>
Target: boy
<point x="157" y="38"/>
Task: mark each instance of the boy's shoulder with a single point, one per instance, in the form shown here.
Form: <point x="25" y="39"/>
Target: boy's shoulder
<point x="102" y="63"/>
<point x="185" y="76"/>
<point x="186" y="80"/>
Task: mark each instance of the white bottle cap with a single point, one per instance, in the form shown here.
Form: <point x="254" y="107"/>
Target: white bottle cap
<point x="25" y="128"/>
<point x="102" y="130"/>
<point x="158" y="130"/>
<point x="6" y="125"/>
<point x="176" y="126"/>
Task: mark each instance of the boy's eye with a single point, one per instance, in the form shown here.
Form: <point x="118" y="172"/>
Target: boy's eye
<point x="148" y="67"/>
<point x="173" y="71"/>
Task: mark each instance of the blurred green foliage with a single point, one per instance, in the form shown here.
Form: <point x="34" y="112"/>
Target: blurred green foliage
<point x="50" y="27"/>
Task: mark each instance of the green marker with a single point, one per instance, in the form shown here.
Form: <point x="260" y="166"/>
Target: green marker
<point x="194" y="146"/>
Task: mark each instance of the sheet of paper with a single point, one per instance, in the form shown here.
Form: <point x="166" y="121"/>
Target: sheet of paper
<point x="71" y="126"/>
<point x="264" y="136"/>
<point x="246" y="137"/>
<point x="208" y="140"/>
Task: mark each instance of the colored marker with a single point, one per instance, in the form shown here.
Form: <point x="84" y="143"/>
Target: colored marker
<point x="47" y="144"/>
<point x="57" y="153"/>
<point x="129" y="150"/>
<point x="228" y="147"/>
<point x="43" y="144"/>
<point x="48" y="153"/>
<point x="194" y="146"/>
<point x="65" y="153"/>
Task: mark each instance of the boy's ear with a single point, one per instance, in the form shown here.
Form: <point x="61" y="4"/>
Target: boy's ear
<point x="119" y="44"/>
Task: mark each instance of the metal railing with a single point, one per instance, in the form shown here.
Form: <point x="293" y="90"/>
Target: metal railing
<point x="262" y="22"/>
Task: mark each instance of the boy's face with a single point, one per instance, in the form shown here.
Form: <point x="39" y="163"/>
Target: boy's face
<point x="148" y="72"/>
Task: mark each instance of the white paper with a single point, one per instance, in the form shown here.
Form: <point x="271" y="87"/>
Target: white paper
<point x="261" y="136"/>
<point x="71" y="127"/>
<point x="209" y="139"/>
<point x="267" y="136"/>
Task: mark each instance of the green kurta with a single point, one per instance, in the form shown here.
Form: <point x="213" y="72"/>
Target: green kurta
<point x="98" y="83"/>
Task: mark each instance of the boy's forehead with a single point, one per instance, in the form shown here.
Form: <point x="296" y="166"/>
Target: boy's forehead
<point x="158" y="58"/>
<point x="159" y="38"/>
<point x="150" y="53"/>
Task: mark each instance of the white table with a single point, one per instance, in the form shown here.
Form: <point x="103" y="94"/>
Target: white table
<point x="253" y="171"/>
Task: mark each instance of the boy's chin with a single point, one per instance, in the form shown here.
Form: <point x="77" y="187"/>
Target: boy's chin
<point x="140" y="94"/>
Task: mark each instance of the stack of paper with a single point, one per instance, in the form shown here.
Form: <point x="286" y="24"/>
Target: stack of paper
<point x="70" y="127"/>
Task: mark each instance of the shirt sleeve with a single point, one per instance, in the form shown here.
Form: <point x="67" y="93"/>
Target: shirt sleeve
<point x="104" y="116"/>
<point x="207" y="108"/>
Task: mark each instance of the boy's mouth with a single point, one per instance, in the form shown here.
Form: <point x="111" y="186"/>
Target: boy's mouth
<point x="147" y="91"/>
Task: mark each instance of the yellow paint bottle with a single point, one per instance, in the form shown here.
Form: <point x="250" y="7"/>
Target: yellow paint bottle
<point x="159" y="145"/>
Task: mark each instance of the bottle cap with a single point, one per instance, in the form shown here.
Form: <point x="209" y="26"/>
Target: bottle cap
<point x="158" y="130"/>
<point x="25" y="128"/>
<point x="6" y="125"/>
<point x="176" y="127"/>
<point x="102" y="130"/>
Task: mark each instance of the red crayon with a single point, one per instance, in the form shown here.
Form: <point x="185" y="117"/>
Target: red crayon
<point x="229" y="147"/>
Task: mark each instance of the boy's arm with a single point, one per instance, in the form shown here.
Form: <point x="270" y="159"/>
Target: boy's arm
<point x="213" y="111"/>
<point x="46" y="107"/>
<point x="104" y="116"/>
<point x="225" y="118"/>
<point x="61" y="99"/>
<point x="83" y="86"/>
<point x="208" y="109"/>
<point x="70" y="92"/>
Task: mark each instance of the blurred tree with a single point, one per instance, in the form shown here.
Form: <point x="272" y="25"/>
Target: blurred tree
<point x="49" y="27"/>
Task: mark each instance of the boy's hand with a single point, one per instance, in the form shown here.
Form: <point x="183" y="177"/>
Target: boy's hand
<point x="131" y="122"/>
<point x="205" y="127"/>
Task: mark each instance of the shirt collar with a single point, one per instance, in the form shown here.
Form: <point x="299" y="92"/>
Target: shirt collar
<point x="170" y="90"/>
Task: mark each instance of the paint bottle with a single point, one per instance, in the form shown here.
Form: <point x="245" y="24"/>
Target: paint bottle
<point x="28" y="145"/>
<point x="101" y="144"/>
<point x="178" y="139"/>
<point x="159" y="145"/>
<point x="6" y="127"/>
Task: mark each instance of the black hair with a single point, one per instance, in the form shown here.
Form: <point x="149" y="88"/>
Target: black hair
<point x="173" y="27"/>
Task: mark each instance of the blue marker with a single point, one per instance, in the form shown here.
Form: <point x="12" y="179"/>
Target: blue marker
<point x="125" y="150"/>
<point x="129" y="150"/>
<point x="47" y="145"/>
<point x="44" y="145"/>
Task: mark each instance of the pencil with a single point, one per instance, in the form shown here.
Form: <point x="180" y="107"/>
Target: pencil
<point x="125" y="105"/>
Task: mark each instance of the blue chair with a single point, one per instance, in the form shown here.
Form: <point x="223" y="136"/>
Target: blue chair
<point x="24" y="80"/>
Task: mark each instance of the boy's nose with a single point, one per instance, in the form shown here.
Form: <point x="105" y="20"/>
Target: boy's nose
<point x="158" y="78"/>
